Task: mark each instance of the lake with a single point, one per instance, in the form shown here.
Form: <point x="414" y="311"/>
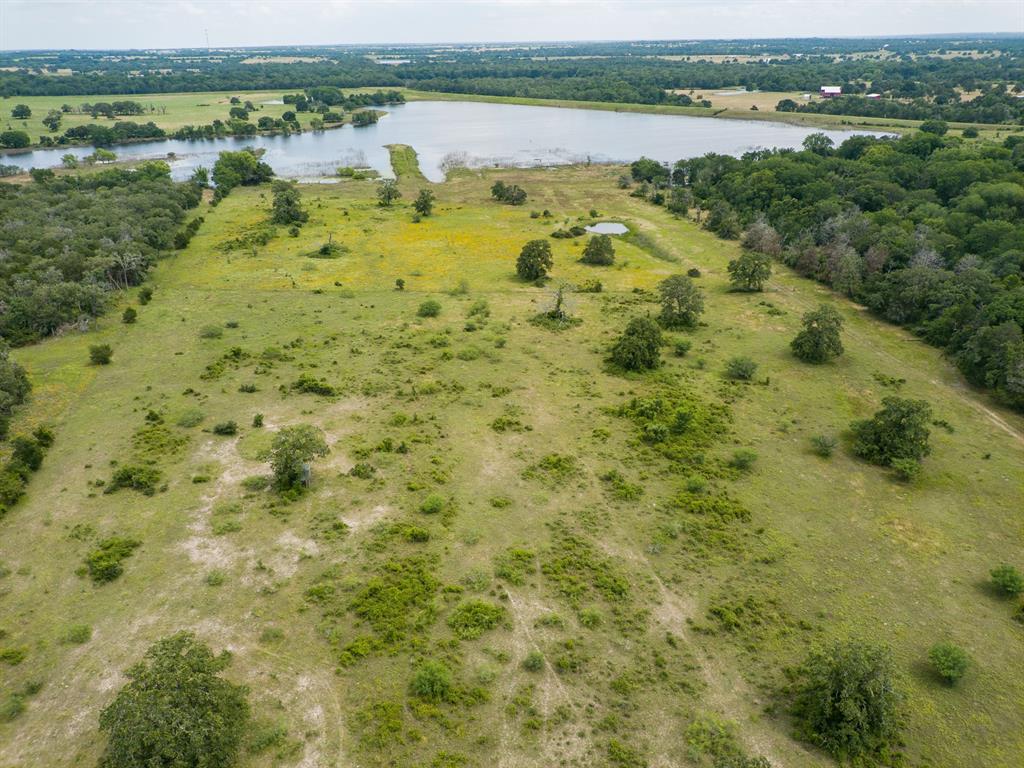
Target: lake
<point x="476" y="134"/>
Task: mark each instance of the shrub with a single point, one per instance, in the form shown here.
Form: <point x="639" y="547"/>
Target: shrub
<point x="949" y="661"/>
<point x="432" y="682"/>
<point x="599" y="251"/>
<point x="129" y="316"/>
<point x="190" y="417"/>
<point x="1008" y="580"/>
<point x="534" y="661"/>
<point x="471" y="619"/>
<point x="824" y="445"/>
<point x="211" y="332"/>
<point x="104" y="563"/>
<point x="100" y="354"/>
<point x="257" y="420"/>
<point x="848" y="702"/>
<point x="309" y="384"/>
<point x="226" y="428"/>
<point x="535" y="260"/>
<point x="898" y="431"/>
<point x="681" y="348"/>
<point x="740" y="368"/>
<point x="77" y="634"/>
<point x="743" y="459"/>
<point x="176" y="710"/>
<point x="433" y="504"/>
<point x="429" y="308"/>
<point x="693" y="272"/>
<point x="682" y="302"/>
<point x="639" y="346"/>
<point x="819" y="340"/>
<point x="906" y="470"/>
<point x="145" y="295"/>
<point x="136" y="477"/>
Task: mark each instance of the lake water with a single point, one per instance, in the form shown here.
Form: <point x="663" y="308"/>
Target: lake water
<point x="476" y="134"/>
<point x="608" y="228"/>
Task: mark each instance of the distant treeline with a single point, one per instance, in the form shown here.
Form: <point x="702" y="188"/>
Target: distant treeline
<point x="624" y="72"/>
<point x="926" y="230"/>
<point x="67" y="241"/>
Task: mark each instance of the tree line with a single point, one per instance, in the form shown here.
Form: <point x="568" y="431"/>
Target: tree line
<point x="926" y="230"/>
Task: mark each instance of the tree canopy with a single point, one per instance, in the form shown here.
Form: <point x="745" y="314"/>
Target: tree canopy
<point x="682" y="302"/>
<point x="819" y="341"/>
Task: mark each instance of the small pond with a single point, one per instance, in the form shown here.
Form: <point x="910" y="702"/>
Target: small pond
<point x="608" y="228"/>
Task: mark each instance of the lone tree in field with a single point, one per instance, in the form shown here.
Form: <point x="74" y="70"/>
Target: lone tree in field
<point x="287" y="207"/>
<point x="639" y="346"/>
<point x="848" y="702"/>
<point x="424" y="203"/>
<point x="819" y="340"/>
<point x="534" y="260"/>
<point x="750" y="271"/>
<point x="898" y="432"/>
<point x="682" y="302"/>
<point x="388" y="192"/>
<point x="176" y="710"/>
<point x="599" y="251"/>
<point x="292" y="449"/>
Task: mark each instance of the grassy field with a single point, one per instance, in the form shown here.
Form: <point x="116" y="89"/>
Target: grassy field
<point x="170" y="111"/>
<point x="586" y="541"/>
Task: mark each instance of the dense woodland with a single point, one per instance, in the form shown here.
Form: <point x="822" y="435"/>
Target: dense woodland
<point x="67" y="241"/>
<point x="926" y="73"/>
<point x="926" y="230"/>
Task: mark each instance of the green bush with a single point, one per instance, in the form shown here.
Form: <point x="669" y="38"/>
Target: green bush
<point x="1008" y="580"/>
<point x="432" y="682"/>
<point x="129" y="316"/>
<point x="77" y="634"/>
<point x="104" y="564"/>
<point x="824" y="445"/>
<point x="743" y="459"/>
<point x="190" y="417"/>
<point x="599" y="251"/>
<point x="433" y="504"/>
<point x="137" y="478"/>
<point x="211" y="332"/>
<point x="291" y="451"/>
<point x="429" y="308"/>
<point x="471" y="619"/>
<point x="534" y="661"/>
<point x="681" y="348"/>
<point x="740" y="368"/>
<point x="100" y="354"/>
<point x="819" y="341"/>
<point x="225" y="428"/>
<point x="949" y="661"/>
<point x="906" y="470"/>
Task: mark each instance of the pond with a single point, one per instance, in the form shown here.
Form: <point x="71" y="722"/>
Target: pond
<point x="474" y="134"/>
<point x="608" y="228"/>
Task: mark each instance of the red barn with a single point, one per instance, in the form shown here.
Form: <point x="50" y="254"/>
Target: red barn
<point x="831" y="91"/>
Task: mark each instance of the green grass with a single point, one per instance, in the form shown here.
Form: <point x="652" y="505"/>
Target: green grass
<point x="650" y="584"/>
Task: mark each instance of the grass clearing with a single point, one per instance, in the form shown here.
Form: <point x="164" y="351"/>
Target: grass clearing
<point x="596" y="588"/>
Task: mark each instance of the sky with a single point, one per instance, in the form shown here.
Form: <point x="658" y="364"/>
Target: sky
<point x="118" y="24"/>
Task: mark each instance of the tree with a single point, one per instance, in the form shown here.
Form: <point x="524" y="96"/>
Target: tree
<point x="639" y="346"/>
<point x="176" y="710"/>
<point x="819" y="144"/>
<point x="682" y="302"/>
<point x="288" y="116"/>
<point x="898" y="431"/>
<point x="949" y="660"/>
<point x="763" y="238"/>
<point x="937" y="127"/>
<point x="69" y="161"/>
<point x="15" y="139"/>
<point x="740" y="368"/>
<point x="750" y="271"/>
<point x="848" y="702"/>
<point x="599" y="251"/>
<point x="388" y="192"/>
<point x="242" y="168"/>
<point x="424" y="202"/>
<point x="819" y="340"/>
<point x="534" y="260"/>
<point x="21" y="112"/>
<point x="287" y="205"/>
<point x="52" y="120"/>
<point x="292" y="449"/>
<point x="129" y="315"/>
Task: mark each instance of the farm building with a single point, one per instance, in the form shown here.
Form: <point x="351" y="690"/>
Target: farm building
<point x="831" y="91"/>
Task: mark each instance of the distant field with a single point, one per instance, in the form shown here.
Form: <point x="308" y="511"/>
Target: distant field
<point x="519" y="430"/>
